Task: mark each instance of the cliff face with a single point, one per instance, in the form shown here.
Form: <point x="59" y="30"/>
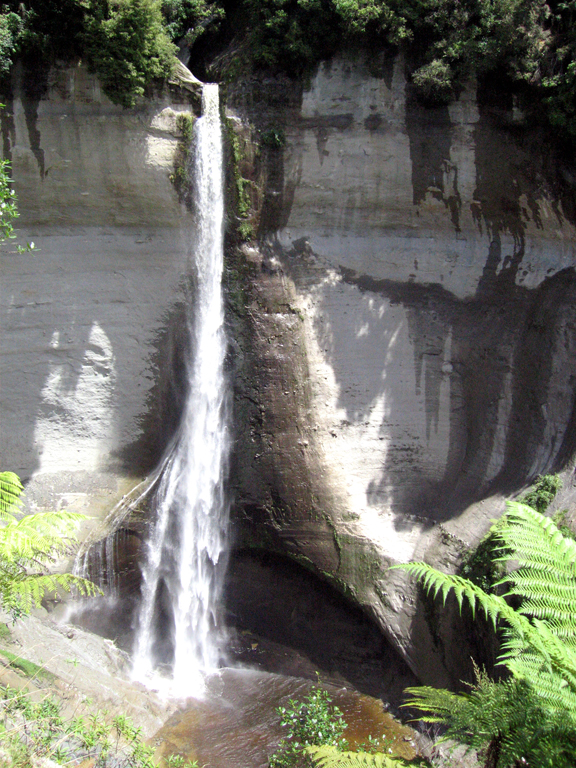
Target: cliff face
<point x="413" y="316"/>
<point x="87" y="323"/>
<point x="403" y="336"/>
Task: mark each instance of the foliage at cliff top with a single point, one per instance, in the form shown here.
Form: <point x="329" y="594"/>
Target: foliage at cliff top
<point x="531" y="44"/>
<point x="125" y="42"/>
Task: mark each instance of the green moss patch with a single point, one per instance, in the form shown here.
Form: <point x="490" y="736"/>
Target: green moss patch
<point x="28" y="668"/>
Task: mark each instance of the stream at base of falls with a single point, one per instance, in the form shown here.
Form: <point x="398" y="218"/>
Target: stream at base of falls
<point x="235" y="724"/>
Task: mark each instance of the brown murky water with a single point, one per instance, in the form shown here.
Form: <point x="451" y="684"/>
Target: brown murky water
<point x="236" y="725"/>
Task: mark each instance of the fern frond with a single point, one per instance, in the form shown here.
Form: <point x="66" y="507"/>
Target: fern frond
<point x="331" y="757"/>
<point x="436" y="703"/>
<point x="535" y="541"/>
<point x="493" y="606"/>
<point x="10" y="491"/>
<point x="510" y="712"/>
<point x="539" y="639"/>
<point x="38" y="536"/>
<point x="26" y="591"/>
<point x="27" y="545"/>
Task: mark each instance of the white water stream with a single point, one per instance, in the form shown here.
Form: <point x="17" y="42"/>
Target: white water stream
<point x="179" y="625"/>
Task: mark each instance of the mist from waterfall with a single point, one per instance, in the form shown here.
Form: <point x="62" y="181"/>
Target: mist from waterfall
<point x="179" y="623"/>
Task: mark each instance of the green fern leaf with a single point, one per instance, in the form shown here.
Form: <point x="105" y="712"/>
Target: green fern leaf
<point x="28" y="591"/>
<point x="29" y="544"/>
<point x="10" y="491"/>
<point x="42" y="535"/>
<point x="538" y="647"/>
<point x="331" y="757"/>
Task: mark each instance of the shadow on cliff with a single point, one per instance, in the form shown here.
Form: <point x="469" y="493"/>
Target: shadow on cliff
<point x="492" y="392"/>
<point x="285" y="605"/>
<point x="166" y="399"/>
<point x="490" y="400"/>
<point x="505" y="359"/>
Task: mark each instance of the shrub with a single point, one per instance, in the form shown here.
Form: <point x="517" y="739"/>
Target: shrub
<point x="128" y="47"/>
<point x="37" y="734"/>
<point x="8" y="202"/>
<point x="11" y="26"/>
<point x="188" y="19"/>
<point x="274" y="138"/>
<point x="314" y="721"/>
<point x="434" y="82"/>
<point x="543" y="492"/>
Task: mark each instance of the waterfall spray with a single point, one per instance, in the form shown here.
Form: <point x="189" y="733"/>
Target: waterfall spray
<point x="186" y="550"/>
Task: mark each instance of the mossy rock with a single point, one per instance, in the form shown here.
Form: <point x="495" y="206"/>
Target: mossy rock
<point x="28" y="668"/>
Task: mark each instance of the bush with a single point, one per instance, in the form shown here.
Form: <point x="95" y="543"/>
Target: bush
<point x="10" y="29"/>
<point x="291" y="36"/>
<point x="312" y="722"/>
<point x="434" y="82"/>
<point x="188" y="19"/>
<point x="37" y="734"/>
<point x="128" y="47"/>
<point x="542" y="493"/>
<point x="8" y="202"/>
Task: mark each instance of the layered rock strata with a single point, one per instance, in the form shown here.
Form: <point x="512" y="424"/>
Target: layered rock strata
<point x="412" y="320"/>
<point x="90" y="318"/>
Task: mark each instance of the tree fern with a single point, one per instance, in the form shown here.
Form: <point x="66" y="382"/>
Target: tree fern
<point x="28" y="545"/>
<point x="538" y="647"/>
<point x="328" y="756"/>
<point x="546" y="579"/>
<point x="508" y="716"/>
<point x="10" y="491"/>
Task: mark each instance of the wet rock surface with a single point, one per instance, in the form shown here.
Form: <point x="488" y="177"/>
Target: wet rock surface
<point x="84" y="672"/>
<point x="407" y="346"/>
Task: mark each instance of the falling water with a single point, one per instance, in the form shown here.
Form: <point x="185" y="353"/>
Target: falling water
<point x="179" y="621"/>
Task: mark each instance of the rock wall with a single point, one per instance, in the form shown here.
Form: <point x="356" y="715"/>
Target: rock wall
<point x="403" y="330"/>
<point x="90" y="318"/>
<point x="411" y="327"/>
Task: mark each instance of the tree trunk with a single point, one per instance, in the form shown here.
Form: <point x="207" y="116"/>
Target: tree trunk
<point x="493" y="752"/>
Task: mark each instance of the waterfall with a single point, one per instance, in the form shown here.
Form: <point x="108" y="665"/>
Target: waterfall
<point x="179" y="623"/>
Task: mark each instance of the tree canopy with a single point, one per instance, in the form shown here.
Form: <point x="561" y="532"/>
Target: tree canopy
<point x="531" y="44"/>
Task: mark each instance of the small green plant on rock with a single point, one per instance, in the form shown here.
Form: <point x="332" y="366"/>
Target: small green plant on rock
<point x="34" y="731"/>
<point x="246" y="231"/>
<point x="484" y="565"/>
<point x="274" y="138"/>
<point x="180" y="177"/>
<point x="8" y="204"/>
<point x="314" y="721"/>
<point x="542" y="493"/>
